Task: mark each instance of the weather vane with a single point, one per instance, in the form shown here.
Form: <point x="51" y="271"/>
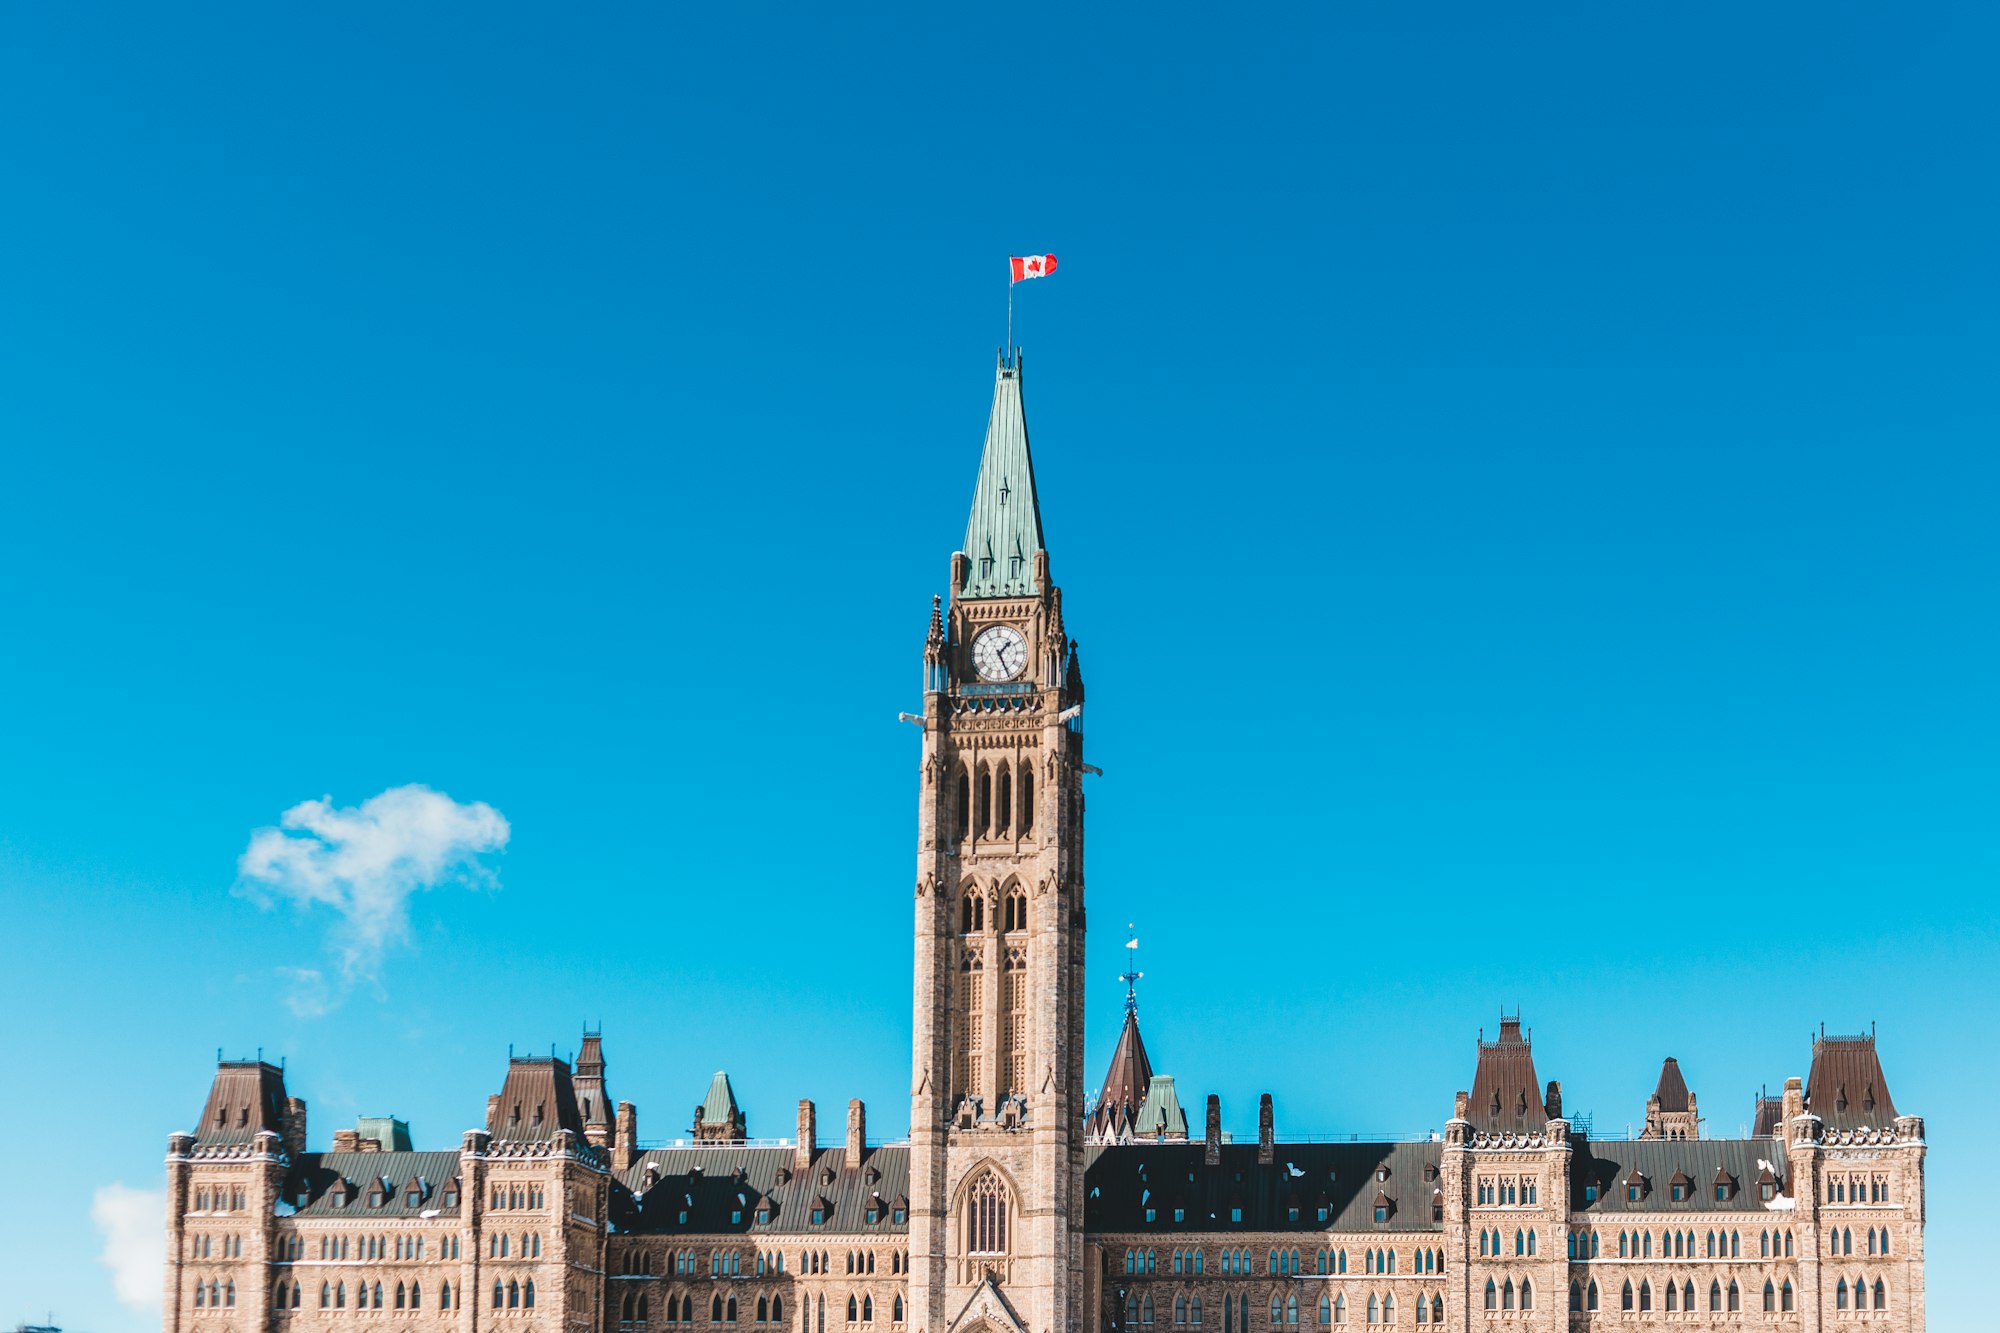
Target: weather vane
<point x="1130" y="976"/>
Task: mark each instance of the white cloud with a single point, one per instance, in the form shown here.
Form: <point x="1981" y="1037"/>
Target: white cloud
<point x="311" y="994"/>
<point x="133" y="1224"/>
<point x="365" y="862"/>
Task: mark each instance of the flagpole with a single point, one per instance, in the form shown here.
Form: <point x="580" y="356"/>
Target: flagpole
<point x="1007" y="352"/>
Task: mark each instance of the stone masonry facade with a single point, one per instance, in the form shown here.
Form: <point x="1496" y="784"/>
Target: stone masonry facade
<point x="1019" y="1204"/>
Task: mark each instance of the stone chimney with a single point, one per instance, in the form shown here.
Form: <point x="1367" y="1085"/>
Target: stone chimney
<point x="857" y="1133"/>
<point x="1795" y="1098"/>
<point x="368" y="1145"/>
<point x="347" y="1140"/>
<point x="1267" y="1137"/>
<point x="1212" y="1133"/>
<point x="493" y="1113"/>
<point x="625" y="1137"/>
<point x="295" y="1127"/>
<point x="808" y="1139"/>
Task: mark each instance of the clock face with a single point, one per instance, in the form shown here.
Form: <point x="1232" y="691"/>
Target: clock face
<point x="999" y="653"/>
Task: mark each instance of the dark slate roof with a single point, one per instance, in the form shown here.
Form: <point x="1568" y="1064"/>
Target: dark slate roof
<point x="1658" y="1161"/>
<point x="314" y="1175"/>
<point x="1122" y="1180"/>
<point x="589" y="1082"/>
<point x="1770" y="1111"/>
<point x="537" y="1099"/>
<point x="1846" y="1089"/>
<point x="706" y="1185"/>
<point x="247" y="1097"/>
<point x="1505" y="1095"/>
<point x="1125" y="1083"/>
<point x="1673" y="1089"/>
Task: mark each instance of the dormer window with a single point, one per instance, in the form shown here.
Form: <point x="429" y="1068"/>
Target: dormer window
<point x="821" y="1210"/>
<point x="450" y="1199"/>
<point x="539" y="1108"/>
<point x="1381" y="1173"/>
<point x="516" y="1119"/>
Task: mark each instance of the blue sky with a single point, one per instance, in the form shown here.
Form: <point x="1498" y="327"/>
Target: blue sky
<point x="1523" y="481"/>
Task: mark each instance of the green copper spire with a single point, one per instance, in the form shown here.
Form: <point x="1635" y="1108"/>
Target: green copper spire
<point x="1005" y="530"/>
<point x="719" y="1107"/>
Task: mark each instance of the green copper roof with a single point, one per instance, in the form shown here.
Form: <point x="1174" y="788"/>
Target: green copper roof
<point x="391" y="1133"/>
<point x="1005" y="529"/>
<point x="1161" y="1113"/>
<point x="719" y="1107"/>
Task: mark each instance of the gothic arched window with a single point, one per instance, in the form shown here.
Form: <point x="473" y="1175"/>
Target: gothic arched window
<point x="986" y="1215"/>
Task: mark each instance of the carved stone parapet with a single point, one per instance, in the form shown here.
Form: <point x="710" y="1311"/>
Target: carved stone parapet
<point x="1509" y="1140"/>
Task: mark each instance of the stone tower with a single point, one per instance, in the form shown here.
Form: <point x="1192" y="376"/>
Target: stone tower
<point x="996" y="1125"/>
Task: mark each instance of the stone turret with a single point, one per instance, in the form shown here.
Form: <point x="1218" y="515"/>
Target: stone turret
<point x="1670" y="1111"/>
<point x="718" y="1119"/>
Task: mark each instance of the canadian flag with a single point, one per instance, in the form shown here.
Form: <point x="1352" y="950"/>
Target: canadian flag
<point x="1032" y="266"/>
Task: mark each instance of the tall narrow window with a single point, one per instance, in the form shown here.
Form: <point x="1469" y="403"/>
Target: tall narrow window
<point x="964" y="806"/>
<point x="986" y="1215"/>
<point x="1014" y="1042"/>
<point x="970" y="1072"/>
<point x="1003" y="802"/>
<point x="982" y="803"/>
<point x="1027" y="820"/>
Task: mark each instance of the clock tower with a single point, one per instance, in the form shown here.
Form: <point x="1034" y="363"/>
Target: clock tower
<point x="996" y="1112"/>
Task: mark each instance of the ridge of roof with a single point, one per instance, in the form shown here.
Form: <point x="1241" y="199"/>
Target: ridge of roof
<point x="246" y="1099"/>
<point x="537" y="1099"/>
<point x="719" y="1106"/>
<point x="1126" y="1082"/>
<point x="1845" y="1087"/>
<point x="1673" y="1089"/>
<point x="1160" y="1115"/>
<point x="589" y="1082"/>
<point x="1505" y="1092"/>
<point x="1004" y="530"/>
